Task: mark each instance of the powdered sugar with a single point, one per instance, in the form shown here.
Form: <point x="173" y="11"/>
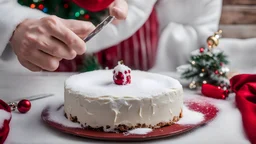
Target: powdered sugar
<point x="56" y="114"/>
<point x="139" y="131"/>
<point x="190" y="117"/>
<point x="4" y="115"/>
<point x="100" y="83"/>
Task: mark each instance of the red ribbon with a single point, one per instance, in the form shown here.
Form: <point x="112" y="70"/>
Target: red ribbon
<point x="212" y="91"/>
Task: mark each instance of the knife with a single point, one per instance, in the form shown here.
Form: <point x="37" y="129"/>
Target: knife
<point x="32" y="98"/>
<point x="99" y="27"/>
<point x="14" y="104"/>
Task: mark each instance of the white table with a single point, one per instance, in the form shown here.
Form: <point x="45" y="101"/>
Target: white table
<point x="30" y="129"/>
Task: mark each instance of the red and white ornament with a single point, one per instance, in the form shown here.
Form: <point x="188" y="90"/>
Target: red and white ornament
<point x="122" y="74"/>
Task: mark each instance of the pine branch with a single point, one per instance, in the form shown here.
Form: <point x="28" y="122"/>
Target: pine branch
<point x="206" y="67"/>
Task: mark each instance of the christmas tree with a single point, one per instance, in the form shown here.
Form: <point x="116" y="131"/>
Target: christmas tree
<point x="207" y="65"/>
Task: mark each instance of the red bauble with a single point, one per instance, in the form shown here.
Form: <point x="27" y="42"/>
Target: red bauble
<point x="201" y="50"/>
<point x="24" y="106"/>
<point x="214" y="91"/>
<point x="216" y="72"/>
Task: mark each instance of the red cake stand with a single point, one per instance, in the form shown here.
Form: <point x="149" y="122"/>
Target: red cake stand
<point x="208" y="110"/>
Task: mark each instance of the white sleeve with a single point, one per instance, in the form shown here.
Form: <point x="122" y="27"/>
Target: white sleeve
<point x="241" y="54"/>
<point x="138" y="13"/>
<point x="185" y="26"/>
<point x="11" y="14"/>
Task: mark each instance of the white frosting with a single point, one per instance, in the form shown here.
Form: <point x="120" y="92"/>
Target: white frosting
<point x="4" y="115"/>
<point x="121" y="68"/>
<point x="139" y="131"/>
<point x="95" y="100"/>
<point x="100" y="83"/>
<point x="57" y="115"/>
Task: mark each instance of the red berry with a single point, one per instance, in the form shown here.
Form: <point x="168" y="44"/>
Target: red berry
<point x="120" y="73"/>
<point x="201" y="50"/>
<point x="128" y="79"/>
<point x="120" y="76"/>
<point x="119" y="82"/>
<point x="129" y="71"/>
<point x="125" y="72"/>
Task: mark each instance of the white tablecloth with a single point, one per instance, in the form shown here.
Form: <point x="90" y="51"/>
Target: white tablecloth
<point x="30" y="129"/>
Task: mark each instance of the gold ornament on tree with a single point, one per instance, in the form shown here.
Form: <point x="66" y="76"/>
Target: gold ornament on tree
<point x="213" y="41"/>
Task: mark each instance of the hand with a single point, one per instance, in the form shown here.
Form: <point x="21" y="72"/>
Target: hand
<point x="119" y="9"/>
<point x="41" y="43"/>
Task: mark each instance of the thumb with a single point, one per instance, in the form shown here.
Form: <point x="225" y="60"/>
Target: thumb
<point x="119" y="9"/>
<point x="80" y="28"/>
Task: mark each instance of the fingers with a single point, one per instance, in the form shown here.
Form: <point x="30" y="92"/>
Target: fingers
<point x="58" y="30"/>
<point x="29" y="65"/>
<point x="80" y="28"/>
<point x="119" y="9"/>
<point x="54" y="47"/>
<point x="43" y="60"/>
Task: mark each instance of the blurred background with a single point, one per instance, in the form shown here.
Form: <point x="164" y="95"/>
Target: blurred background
<point x="238" y="19"/>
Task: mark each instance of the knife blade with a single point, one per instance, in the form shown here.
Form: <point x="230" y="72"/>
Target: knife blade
<point x="99" y="27"/>
<point x="33" y="97"/>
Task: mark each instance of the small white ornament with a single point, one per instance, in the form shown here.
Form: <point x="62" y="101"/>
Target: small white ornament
<point x="225" y="69"/>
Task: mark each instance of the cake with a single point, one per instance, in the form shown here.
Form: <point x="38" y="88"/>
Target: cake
<point x="148" y="100"/>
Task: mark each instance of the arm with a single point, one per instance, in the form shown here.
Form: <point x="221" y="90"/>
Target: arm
<point x="40" y="43"/>
<point x="185" y="26"/>
<point x="11" y="14"/>
<point x="138" y="13"/>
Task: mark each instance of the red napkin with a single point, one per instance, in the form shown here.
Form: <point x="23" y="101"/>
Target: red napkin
<point x="4" y="127"/>
<point x="93" y="5"/>
<point x="244" y="86"/>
